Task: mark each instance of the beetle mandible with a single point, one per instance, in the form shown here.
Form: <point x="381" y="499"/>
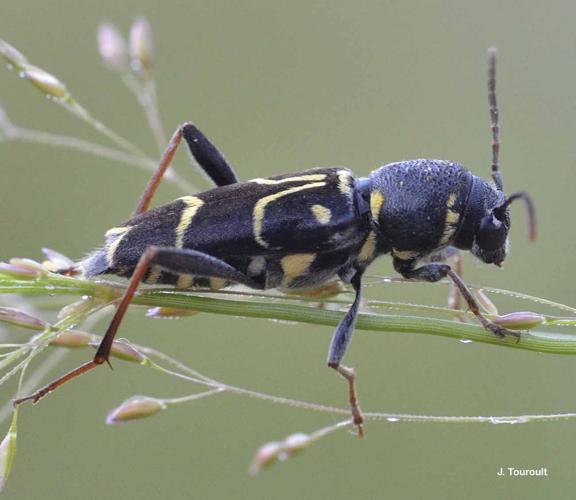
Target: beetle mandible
<point x="303" y="230"/>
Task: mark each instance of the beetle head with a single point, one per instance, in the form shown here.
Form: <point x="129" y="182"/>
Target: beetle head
<point x="490" y="240"/>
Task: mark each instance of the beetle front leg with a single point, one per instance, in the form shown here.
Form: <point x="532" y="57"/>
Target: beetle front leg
<point x="436" y="272"/>
<point x="338" y="347"/>
<point x="452" y="257"/>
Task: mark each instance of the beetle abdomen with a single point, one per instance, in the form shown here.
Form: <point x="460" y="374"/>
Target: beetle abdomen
<point x="307" y="213"/>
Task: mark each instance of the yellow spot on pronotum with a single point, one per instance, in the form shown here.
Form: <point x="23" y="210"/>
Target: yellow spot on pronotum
<point x="295" y="265"/>
<point x="299" y="178"/>
<point x="116" y="233"/>
<point x="452" y="217"/>
<point x="376" y="202"/>
<point x="260" y="207"/>
<point x="186" y="217"/>
<point x="322" y="213"/>
<point x="450" y="223"/>
<point x="368" y="248"/>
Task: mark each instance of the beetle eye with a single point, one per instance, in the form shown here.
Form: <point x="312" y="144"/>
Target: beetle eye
<point x="492" y="233"/>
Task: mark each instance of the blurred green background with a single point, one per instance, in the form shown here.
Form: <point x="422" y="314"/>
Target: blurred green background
<point x="283" y="86"/>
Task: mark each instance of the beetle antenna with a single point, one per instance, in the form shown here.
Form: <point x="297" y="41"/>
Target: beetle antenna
<point x="530" y="208"/>
<point x="496" y="176"/>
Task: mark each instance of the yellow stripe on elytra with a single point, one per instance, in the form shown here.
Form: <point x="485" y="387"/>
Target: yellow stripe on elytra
<point x="299" y="178"/>
<point x="376" y="202"/>
<point x="118" y="234"/>
<point x="368" y="248"/>
<point x="184" y="281"/>
<point x="295" y="265"/>
<point x="154" y="275"/>
<point x="115" y="231"/>
<point x="260" y="207"/>
<point x="217" y="283"/>
<point x="321" y="213"/>
<point x="344" y="182"/>
<point x="186" y="217"/>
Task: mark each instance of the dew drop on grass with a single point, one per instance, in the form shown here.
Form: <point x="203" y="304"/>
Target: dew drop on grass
<point x="508" y="420"/>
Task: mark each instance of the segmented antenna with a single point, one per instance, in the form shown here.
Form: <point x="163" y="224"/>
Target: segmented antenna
<point x="530" y="208"/>
<point x="496" y="176"/>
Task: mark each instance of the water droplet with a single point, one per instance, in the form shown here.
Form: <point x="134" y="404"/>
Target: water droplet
<point x="508" y="420"/>
<point x="465" y="341"/>
<point x="393" y="419"/>
<point x="282" y="321"/>
<point x="50" y="287"/>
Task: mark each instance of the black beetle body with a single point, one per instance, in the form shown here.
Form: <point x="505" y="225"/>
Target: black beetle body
<point x="307" y="229"/>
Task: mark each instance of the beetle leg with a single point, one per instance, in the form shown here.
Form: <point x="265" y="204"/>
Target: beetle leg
<point x="455" y="260"/>
<point x="451" y="256"/>
<point x="171" y="259"/>
<point x="435" y="272"/>
<point x="207" y="155"/>
<point x="203" y="151"/>
<point x="338" y="347"/>
<point x="163" y="164"/>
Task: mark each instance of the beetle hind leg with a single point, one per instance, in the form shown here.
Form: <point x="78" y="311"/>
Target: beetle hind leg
<point x="208" y="157"/>
<point x="174" y="260"/>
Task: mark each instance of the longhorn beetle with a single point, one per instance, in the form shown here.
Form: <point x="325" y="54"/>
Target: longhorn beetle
<point x="304" y="230"/>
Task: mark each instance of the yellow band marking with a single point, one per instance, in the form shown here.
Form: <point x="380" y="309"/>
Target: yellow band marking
<point x="450" y="223"/>
<point x="217" y="283"/>
<point x="295" y="265"/>
<point x="452" y="217"/>
<point x="186" y="217"/>
<point x="368" y="248"/>
<point x="184" y="281"/>
<point x="260" y="207"/>
<point x="154" y="275"/>
<point x="299" y="178"/>
<point x="376" y="202"/>
<point x="322" y="213"/>
<point x="344" y="182"/>
<point x="451" y="200"/>
<point x="118" y="234"/>
<point x="115" y="231"/>
<point x="404" y="254"/>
